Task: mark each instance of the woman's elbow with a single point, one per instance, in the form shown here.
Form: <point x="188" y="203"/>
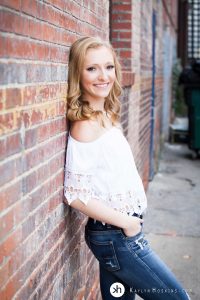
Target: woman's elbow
<point x="76" y="203"/>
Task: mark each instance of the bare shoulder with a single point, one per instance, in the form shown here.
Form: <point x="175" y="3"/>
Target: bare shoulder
<point x="85" y="131"/>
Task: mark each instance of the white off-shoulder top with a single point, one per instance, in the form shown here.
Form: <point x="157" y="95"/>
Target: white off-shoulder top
<point x="104" y="169"/>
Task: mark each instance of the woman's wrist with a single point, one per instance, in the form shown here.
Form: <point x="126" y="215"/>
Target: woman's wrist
<point x="128" y="222"/>
<point x="132" y="221"/>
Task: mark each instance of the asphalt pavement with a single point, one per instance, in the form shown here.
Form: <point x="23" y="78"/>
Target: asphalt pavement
<point x="172" y="221"/>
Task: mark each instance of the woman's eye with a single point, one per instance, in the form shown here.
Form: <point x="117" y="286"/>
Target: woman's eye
<point x="110" y="67"/>
<point x="90" y="69"/>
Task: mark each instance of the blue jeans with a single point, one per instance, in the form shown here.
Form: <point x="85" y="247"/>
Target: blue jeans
<point x="131" y="262"/>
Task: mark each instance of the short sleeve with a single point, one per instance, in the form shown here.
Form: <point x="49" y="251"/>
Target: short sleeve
<point x="80" y="167"/>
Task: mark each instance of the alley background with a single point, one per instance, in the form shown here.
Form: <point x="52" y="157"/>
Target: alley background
<point x="172" y="223"/>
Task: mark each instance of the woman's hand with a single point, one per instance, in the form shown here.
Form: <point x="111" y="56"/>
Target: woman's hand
<point x="134" y="226"/>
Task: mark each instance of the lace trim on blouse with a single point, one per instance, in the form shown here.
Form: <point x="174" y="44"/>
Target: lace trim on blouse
<point x="79" y="186"/>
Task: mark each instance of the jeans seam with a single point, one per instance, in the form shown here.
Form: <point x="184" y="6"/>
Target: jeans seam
<point x="155" y="276"/>
<point x="113" y="253"/>
<point x="149" y="269"/>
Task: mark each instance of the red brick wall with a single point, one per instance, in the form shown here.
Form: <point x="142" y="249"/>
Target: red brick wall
<point x="133" y="43"/>
<point x="131" y="36"/>
<point x="42" y="253"/>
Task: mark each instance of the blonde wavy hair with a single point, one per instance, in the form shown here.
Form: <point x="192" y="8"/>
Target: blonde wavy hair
<point x="77" y="108"/>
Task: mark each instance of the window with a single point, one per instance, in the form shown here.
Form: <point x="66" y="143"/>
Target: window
<point x="193" y="43"/>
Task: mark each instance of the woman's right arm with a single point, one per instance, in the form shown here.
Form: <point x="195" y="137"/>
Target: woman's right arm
<point x="97" y="210"/>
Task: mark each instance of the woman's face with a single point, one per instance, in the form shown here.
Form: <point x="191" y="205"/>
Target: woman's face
<point x="98" y="74"/>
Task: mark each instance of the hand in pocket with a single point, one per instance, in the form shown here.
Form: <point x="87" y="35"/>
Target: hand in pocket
<point x="134" y="228"/>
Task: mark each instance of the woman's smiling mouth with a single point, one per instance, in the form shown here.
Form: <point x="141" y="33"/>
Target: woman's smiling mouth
<point x="101" y="85"/>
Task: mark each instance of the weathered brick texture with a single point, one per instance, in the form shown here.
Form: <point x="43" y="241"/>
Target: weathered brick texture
<point x="42" y="250"/>
<point x="133" y="42"/>
<point x="42" y="253"/>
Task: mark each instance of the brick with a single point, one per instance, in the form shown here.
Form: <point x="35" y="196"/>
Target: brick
<point x="122" y="17"/>
<point x="74" y="8"/>
<point x="121" y="25"/>
<point x="125" y="53"/>
<point x="13" y="97"/>
<point x="37" y="276"/>
<point x="11" y="22"/>
<point x="43" y="192"/>
<point x="122" y="8"/>
<point x="54" y="91"/>
<point x="31" y="73"/>
<point x="57" y="17"/>
<point x="15" y="4"/>
<point x="3" y="46"/>
<point x="12" y="73"/>
<point x="35" y="30"/>
<point x="125" y="34"/>
<point x="38" y="176"/>
<point x="61" y="4"/>
<point x="4" y="274"/>
<point x="10" y="194"/>
<point x="18" y="214"/>
<point x="9" y="244"/>
<point x="43" y="152"/>
<point x="41" y="93"/>
<point x="44" y="131"/>
<point x="122" y="44"/>
<point x="128" y="79"/>
<point x="2" y="99"/>
<point x="42" y="289"/>
<point x="29" y="95"/>
<point x="44" y="243"/>
<point x="10" y="170"/>
<point x="30" y="7"/>
<point x="37" y="115"/>
<point x="10" y="122"/>
<point x="7" y="223"/>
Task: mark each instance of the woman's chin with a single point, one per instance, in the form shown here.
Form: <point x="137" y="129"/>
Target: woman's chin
<point x="103" y="94"/>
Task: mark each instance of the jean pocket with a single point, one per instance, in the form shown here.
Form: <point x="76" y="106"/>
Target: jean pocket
<point x="134" y="237"/>
<point x="139" y="245"/>
<point x="105" y="253"/>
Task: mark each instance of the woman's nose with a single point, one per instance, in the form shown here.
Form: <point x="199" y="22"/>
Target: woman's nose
<point x="103" y="75"/>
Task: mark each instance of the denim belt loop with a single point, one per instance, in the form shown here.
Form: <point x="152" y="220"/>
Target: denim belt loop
<point x="108" y="225"/>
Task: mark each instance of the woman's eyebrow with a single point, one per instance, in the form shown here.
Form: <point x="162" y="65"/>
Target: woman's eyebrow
<point x="94" y="64"/>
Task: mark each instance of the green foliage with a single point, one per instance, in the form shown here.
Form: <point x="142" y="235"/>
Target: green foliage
<point x="178" y="101"/>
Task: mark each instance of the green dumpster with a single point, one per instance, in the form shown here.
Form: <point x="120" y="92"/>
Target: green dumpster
<point x="192" y="97"/>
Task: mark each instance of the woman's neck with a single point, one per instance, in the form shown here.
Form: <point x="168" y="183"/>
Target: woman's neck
<point x="96" y="104"/>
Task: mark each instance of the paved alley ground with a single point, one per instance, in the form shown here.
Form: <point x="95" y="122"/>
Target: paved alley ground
<point x="172" y="222"/>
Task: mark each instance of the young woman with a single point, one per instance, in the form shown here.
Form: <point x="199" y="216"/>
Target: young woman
<point x="101" y="180"/>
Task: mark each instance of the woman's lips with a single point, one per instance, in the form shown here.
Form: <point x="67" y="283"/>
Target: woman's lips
<point x="102" y="85"/>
